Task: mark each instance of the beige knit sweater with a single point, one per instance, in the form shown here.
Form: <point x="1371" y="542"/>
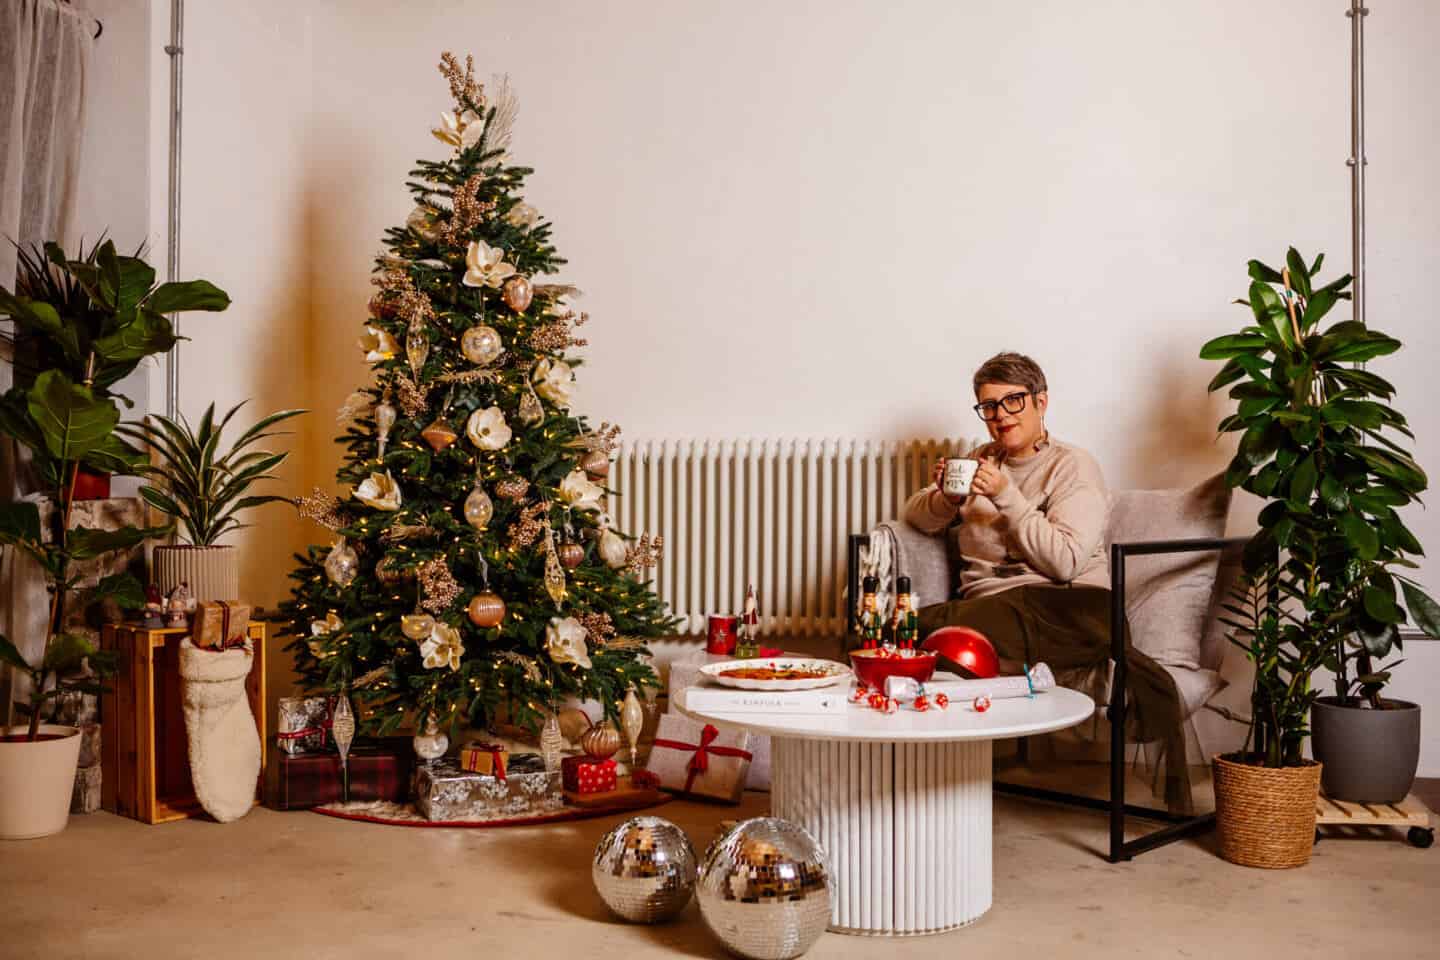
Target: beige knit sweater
<point x="1046" y="527"/>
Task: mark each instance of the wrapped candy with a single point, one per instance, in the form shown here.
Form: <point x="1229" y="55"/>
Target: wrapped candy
<point x="942" y="701"/>
<point x="982" y="703"/>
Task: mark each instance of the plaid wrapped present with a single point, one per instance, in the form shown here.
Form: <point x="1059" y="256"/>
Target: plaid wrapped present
<point x="378" y="771"/>
<point x="589" y="774"/>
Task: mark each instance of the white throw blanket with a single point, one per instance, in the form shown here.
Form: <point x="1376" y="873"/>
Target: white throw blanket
<point x="224" y="745"/>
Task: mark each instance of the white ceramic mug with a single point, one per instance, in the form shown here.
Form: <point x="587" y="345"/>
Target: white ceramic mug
<point x="959" y="474"/>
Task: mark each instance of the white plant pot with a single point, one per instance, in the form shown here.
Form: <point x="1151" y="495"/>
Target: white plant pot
<point x="37" y="781"/>
<point x="212" y="572"/>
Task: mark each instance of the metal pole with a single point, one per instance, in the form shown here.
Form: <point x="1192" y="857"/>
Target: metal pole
<point x="176" y="52"/>
<point x="1357" y="14"/>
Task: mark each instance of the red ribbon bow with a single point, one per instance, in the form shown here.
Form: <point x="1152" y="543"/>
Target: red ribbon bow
<point x="700" y="762"/>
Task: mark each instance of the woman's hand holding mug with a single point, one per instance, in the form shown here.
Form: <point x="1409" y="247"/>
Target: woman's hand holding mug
<point x="989" y="480"/>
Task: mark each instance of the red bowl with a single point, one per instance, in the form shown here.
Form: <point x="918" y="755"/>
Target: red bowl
<point x="873" y="667"/>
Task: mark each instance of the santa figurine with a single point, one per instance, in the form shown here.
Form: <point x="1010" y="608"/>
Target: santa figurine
<point x="153" y="615"/>
<point x="178" y="607"/>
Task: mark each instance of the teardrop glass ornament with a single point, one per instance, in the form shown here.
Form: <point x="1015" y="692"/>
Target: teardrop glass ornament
<point x="417" y="349"/>
<point x="385" y="415"/>
<point x="552" y="743"/>
<point x="479" y="508"/>
<point x="554" y="572"/>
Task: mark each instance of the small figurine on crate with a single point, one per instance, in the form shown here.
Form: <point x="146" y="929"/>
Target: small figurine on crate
<point x="178" y="607"/>
<point x="152" y="617"/>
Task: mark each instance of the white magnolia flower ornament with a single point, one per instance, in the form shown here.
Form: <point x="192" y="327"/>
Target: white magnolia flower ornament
<point x="322" y="628"/>
<point x="460" y="131"/>
<point x="487" y="429"/>
<point x="380" y="491"/>
<point x="555" y="381"/>
<point x="485" y="265"/>
<point x="442" y="648"/>
<point x="565" y="642"/>
<point x="378" y="344"/>
<point x="578" y="490"/>
<point x="522" y="215"/>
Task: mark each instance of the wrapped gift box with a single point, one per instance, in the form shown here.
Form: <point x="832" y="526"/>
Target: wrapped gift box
<point x="443" y="791"/>
<point x="219" y="624"/>
<point x="480" y="757"/>
<point x="699" y="760"/>
<point x="303" y="724"/>
<point x="589" y="774"/>
<point x="378" y="771"/>
<point x="685" y="672"/>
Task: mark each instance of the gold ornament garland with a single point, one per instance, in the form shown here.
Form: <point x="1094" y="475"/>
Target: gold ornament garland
<point x="463" y="88"/>
<point x="439" y="585"/>
<point x="322" y="508"/>
<point x="645" y="554"/>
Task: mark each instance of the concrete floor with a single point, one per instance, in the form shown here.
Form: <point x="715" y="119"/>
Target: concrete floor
<point x="303" y="885"/>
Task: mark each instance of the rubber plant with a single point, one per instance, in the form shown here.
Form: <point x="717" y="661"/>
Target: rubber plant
<point x="205" y="489"/>
<point x="80" y="327"/>
<point x="1319" y="443"/>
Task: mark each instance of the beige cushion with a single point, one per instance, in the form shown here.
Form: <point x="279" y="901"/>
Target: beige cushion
<point x="1168" y="596"/>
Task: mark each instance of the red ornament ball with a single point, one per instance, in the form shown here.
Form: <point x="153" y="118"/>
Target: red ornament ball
<point x="968" y="651"/>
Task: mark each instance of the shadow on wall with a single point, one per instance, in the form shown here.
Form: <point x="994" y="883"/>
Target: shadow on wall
<point x="1175" y="444"/>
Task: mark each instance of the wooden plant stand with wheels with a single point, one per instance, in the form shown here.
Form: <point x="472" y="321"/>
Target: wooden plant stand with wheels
<point x="1409" y="812"/>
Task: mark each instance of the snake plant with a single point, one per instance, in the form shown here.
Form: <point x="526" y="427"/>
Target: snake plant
<point x="205" y="489"/>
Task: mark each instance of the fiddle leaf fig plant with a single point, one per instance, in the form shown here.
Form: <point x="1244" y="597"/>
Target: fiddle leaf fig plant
<point x="80" y="326"/>
<point x="1322" y="444"/>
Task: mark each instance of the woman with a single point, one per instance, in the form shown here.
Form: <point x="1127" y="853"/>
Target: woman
<point x="1034" y="575"/>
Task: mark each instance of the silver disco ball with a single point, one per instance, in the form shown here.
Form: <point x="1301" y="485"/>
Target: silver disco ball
<point x="765" y="889"/>
<point x="644" y="869"/>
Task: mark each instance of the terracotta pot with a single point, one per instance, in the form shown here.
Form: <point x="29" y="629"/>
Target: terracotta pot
<point x="1265" y="816"/>
<point x="212" y="572"/>
<point x="36" y="781"/>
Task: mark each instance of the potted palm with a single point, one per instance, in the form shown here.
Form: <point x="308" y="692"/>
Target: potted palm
<point x="1317" y="442"/>
<point x="204" y="492"/>
<point x="80" y="327"/>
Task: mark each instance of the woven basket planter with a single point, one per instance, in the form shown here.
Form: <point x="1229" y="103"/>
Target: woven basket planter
<point x="1265" y="817"/>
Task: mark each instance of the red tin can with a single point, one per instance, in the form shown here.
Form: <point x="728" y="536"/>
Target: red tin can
<point x="720" y="638"/>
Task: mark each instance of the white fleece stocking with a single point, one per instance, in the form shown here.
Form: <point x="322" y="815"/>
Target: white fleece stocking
<point x="224" y="745"/>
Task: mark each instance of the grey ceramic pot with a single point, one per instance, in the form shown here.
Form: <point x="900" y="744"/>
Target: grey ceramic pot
<point x="1370" y="756"/>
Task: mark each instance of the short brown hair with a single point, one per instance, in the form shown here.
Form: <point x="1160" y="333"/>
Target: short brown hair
<point x="1011" y="368"/>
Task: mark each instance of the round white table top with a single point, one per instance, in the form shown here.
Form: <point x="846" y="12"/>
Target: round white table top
<point x="1053" y="709"/>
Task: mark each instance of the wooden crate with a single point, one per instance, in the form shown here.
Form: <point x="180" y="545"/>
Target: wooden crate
<point x="144" y="747"/>
<point x="1409" y="813"/>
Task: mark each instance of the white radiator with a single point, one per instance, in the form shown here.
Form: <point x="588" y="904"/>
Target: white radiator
<point x="775" y="513"/>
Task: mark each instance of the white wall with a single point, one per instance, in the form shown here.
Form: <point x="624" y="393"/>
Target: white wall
<point x="817" y="218"/>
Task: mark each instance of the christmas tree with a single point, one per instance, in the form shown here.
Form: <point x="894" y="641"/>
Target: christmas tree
<point x="474" y="573"/>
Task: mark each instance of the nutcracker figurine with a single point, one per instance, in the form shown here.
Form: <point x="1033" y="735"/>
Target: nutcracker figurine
<point x="905" y="622"/>
<point x="871" y="624"/>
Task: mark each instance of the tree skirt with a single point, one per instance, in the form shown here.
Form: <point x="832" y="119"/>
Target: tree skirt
<point x="405" y="815"/>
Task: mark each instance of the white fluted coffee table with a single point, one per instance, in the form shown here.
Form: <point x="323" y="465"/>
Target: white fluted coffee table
<point x="901" y="804"/>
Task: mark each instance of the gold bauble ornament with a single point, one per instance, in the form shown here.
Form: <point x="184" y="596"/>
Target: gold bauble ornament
<point x="596" y="463"/>
<point x="439" y="435"/>
<point x="479" y="508"/>
<point x="517" y="293"/>
<point x="486" y="609"/>
<point x="601" y="741"/>
<point x="481" y="345"/>
<point x="417" y="626"/>
<point x="342" y="564"/>
<point x="571" y="555"/>
<point x="385" y="570"/>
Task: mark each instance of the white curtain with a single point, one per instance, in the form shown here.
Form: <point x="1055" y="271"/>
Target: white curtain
<point x="45" y="50"/>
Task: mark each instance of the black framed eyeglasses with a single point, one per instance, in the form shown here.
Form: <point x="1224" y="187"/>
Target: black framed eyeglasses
<point x="1012" y="402"/>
